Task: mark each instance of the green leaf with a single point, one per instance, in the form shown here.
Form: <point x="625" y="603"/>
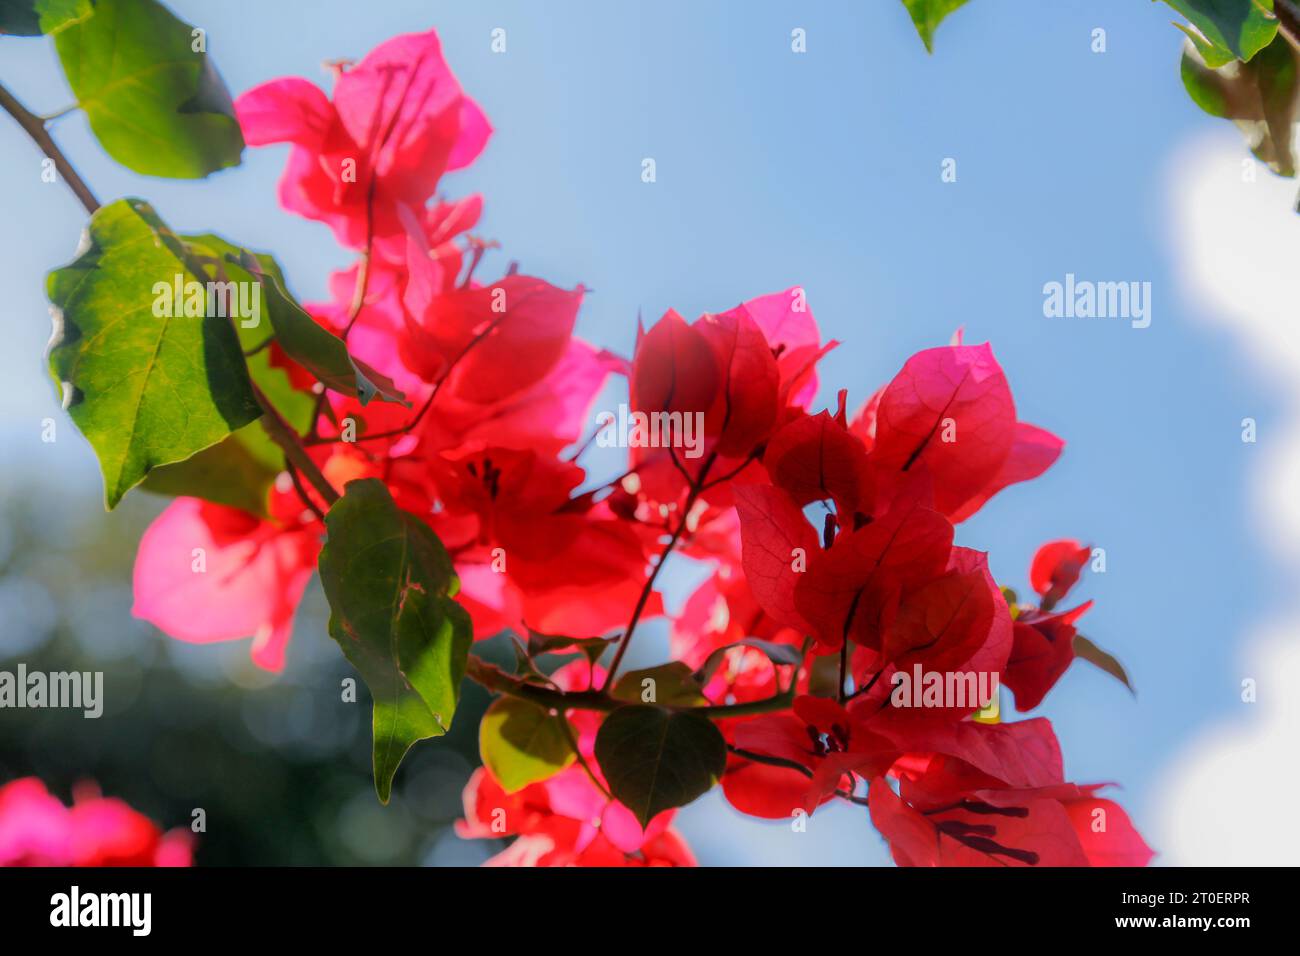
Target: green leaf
<point x="145" y="390"/>
<point x="238" y="472"/>
<point x="155" y="104"/>
<point x="1095" y="656"/>
<point x="776" y="653"/>
<point x="31" y="18"/>
<point x="928" y="14"/>
<point x="294" y="405"/>
<point x="521" y="743"/>
<point x="1227" y="30"/>
<point x="1262" y="97"/>
<point x="657" y="759"/>
<point x="673" y="684"/>
<point x="525" y="669"/>
<point x="390" y="587"/>
<point x="593" y="647"/>
<point x="315" y="348"/>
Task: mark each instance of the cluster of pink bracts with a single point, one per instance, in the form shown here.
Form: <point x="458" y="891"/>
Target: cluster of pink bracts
<point x="824" y="528"/>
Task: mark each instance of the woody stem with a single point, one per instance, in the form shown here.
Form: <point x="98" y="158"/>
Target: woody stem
<point x="34" y="126"/>
<point x="494" y="679"/>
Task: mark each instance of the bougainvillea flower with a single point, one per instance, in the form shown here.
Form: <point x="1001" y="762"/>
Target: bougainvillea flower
<point x="951" y="409"/>
<point x="496" y="340"/>
<point x="852" y="590"/>
<point x="819" y="736"/>
<point x="1042" y="651"/>
<point x="205" y="572"/>
<point x="575" y="567"/>
<point x="36" y="829"/>
<point x="739" y="371"/>
<point x="544" y="836"/>
<point x="569" y="819"/>
<point x="791" y="332"/>
<point x="397" y="122"/>
<point x="1056" y="568"/>
<point x="817" y="458"/>
<point x="744" y="409"/>
<point x="945" y="622"/>
<point x="777" y="545"/>
<point x="989" y="795"/>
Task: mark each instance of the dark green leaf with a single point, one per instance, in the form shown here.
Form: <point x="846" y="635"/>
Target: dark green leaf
<point x="593" y="647"/>
<point x="1227" y="30"/>
<point x="315" y="348"/>
<point x="521" y="743"/>
<point x="1262" y="97"/>
<point x="155" y="104"/>
<point x="1094" y="655"/>
<point x="928" y="14"/>
<point x="657" y="759"/>
<point x="295" y="406"/>
<point x="145" y="390"/>
<point x="390" y="587"/>
<point x="776" y="653"/>
<point x="31" y="18"/>
<point x="673" y="684"/>
<point x="524" y="666"/>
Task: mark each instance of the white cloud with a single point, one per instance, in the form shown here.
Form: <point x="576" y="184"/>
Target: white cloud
<point x="1236" y="246"/>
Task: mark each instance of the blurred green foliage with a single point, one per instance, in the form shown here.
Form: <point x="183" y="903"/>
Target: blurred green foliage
<point x="279" y="763"/>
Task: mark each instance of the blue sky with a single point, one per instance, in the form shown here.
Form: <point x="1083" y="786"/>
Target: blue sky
<point x="820" y="169"/>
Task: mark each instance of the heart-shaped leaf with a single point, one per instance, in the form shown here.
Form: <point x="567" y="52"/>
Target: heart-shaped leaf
<point x="521" y="743"/>
<point x="656" y="759"/>
<point x="145" y="385"/>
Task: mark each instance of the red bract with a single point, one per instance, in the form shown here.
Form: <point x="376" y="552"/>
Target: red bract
<point x="398" y="120"/>
<point x="995" y="796"/>
<point x="1044" y="641"/>
<point x="1056" y="568"/>
<point x="205" y="572"/>
<point x="950" y="409"/>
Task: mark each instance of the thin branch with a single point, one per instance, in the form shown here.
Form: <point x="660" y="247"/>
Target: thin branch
<point x="35" y="128"/>
<point x="498" y="681"/>
<point x="302" y="492"/>
<point x="696" y="487"/>
<point x="280" y="432"/>
<point x="582" y="761"/>
<point x="1288" y="20"/>
<point x="428" y="402"/>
